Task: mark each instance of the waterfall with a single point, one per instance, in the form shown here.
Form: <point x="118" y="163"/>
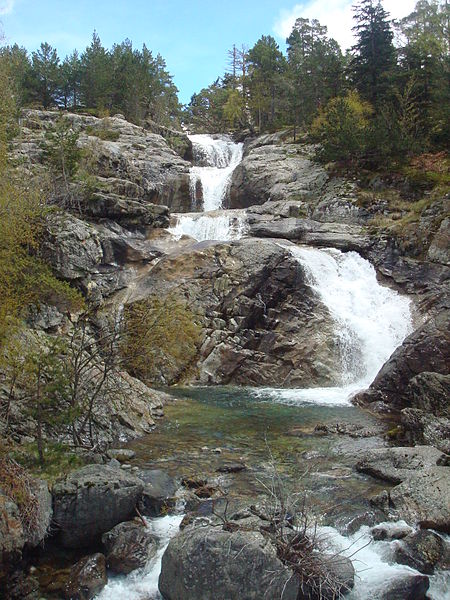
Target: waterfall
<point x="221" y="226"/>
<point x="215" y="158"/>
<point x="370" y="321"/>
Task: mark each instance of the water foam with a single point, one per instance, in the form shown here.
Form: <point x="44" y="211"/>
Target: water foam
<point x="222" y="226"/>
<point x="374" y="564"/>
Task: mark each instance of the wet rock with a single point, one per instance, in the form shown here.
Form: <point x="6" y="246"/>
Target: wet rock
<point x="193" y="483"/>
<point x="121" y="454"/>
<point x="420" y="427"/>
<point x="92" y="500"/>
<point x="232" y="468"/>
<point x="422" y="551"/>
<point x="424" y="499"/>
<point x="87" y="578"/>
<point x="159" y="492"/>
<point x="129" y="546"/>
<point x="209" y="563"/>
<point x="407" y="587"/>
<point x="426" y="350"/>
<point x="313" y="233"/>
<point x="397" y="464"/>
<point x="391" y="531"/>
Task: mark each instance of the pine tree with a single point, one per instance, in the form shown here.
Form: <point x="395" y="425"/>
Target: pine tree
<point x="266" y="66"/>
<point x="316" y="69"/>
<point x="46" y="74"/>
<point x="374" y="54"/>
<point x="96" y="75"/>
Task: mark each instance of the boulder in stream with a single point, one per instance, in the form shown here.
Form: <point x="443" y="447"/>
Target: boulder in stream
<point x="87" y="578"/>
<point x="91" y="500"/>
<point x="129" y="546"/>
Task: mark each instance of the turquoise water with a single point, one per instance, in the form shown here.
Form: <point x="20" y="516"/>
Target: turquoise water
<point x="206" y="428"/>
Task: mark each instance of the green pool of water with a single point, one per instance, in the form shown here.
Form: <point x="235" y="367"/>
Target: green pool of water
<point x="206" y="428"/>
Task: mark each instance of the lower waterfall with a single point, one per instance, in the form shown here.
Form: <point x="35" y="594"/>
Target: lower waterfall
<point x="370" y="321"/>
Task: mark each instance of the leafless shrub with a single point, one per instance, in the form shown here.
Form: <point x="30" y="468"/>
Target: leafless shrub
<point x="16" y="484"/>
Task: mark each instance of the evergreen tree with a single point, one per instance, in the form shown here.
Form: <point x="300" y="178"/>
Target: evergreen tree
<point x="374" y="54"/>
<point x="424" y="61"/>
<point x="316" y="68"/>
<point x="70" y="77"/>
<point x="46" y="75"/>
<point x="266" y="85"/>
<point x="96" y="82"/>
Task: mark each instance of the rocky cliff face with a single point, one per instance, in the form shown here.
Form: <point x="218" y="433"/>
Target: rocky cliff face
<point x="262" y="324"/>
<point x="131" y="167"/>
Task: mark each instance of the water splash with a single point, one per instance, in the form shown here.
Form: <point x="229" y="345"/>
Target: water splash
<point x="142" y="584"/>
<point x="215" y="158"/>
<point x="370" y="321"/>
<point x="222" y="226"/>
<point x="375" y="566"/>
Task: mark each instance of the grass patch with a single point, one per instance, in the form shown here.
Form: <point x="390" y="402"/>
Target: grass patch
<point x="59" y="460"/>
<point x="103" y="133"/>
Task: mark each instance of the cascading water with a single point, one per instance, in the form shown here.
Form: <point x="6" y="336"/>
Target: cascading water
<point x="215" y="158"/>
<point x="221" y="225"/>
<point x="370" y="321"/>
<point x="143" y="583"/>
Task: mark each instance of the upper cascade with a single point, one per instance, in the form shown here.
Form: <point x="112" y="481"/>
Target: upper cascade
<point x="215" y="159"/>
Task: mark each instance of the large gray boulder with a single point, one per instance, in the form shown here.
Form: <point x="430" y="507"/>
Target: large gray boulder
<point x="125" y="160"/>
<point x="275" y="172"/>
<point x="72" y="247"/>
<point x="208" y="563"/>
<point x="424" y="499"/>
<point x="159" y="492"/>
<point x="92" y="500"/>
<point x="407" y="587"/>
<point x="398" y="464"/>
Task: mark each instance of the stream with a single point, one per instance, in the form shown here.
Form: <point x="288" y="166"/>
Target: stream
<point x="206" y="428"/>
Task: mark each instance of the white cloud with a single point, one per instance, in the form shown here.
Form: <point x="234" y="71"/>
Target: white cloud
<point x="336" y="15"/>
<point x="6" y="6"/>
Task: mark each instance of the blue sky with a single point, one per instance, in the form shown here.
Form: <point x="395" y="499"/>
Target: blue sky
<point x="193" y="36"/>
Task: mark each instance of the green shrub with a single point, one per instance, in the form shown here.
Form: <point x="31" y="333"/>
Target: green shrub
<point x="160" y="339"/>
<point x="341" y="128"/>
<point x="103" y="133"/>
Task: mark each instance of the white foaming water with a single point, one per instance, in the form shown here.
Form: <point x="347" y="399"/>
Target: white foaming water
<point x="219" y="157"/>
<point x="221" y="226"/>
<point x="142" y="584"/>
<point x="375" y="566"/>
<point x="371" y="321"/>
